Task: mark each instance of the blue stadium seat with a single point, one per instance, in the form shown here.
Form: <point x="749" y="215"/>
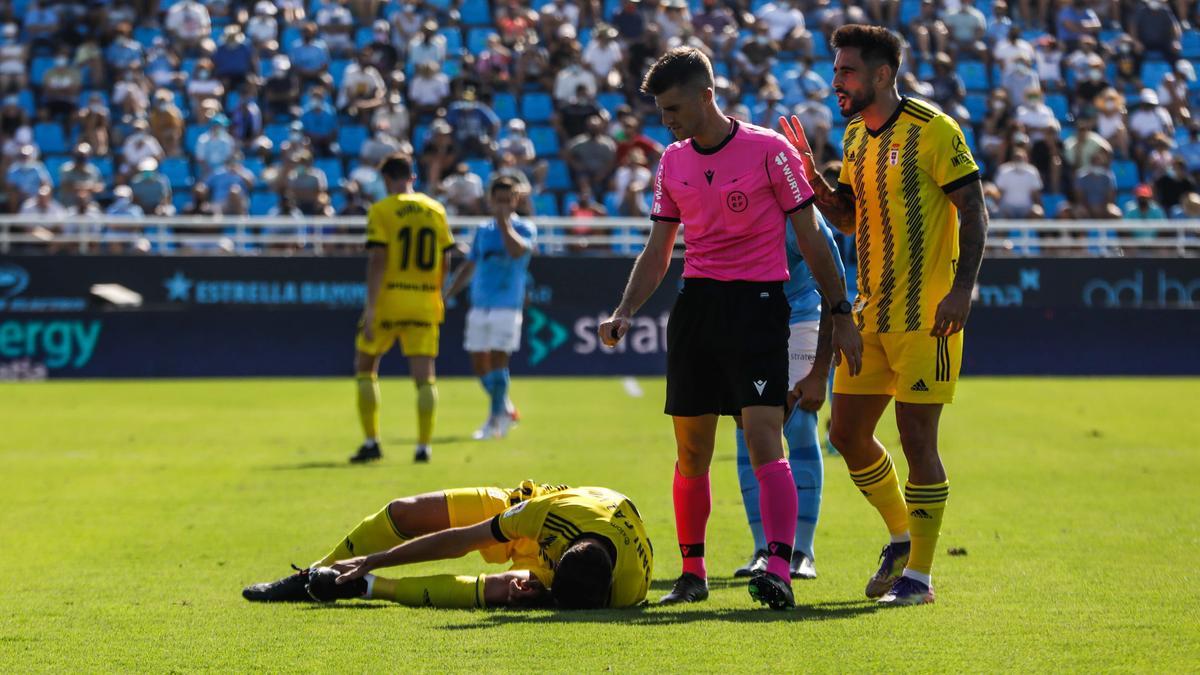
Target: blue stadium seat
<point x="558" y="177"/>
<point x="475" y="13"/>
<point x="660" y="133"/>
<point x="289" y="37"/>
<point x="536" y="107"/>
<point x="261" y="202"/>
<point x="820" y="46"/>
<point x="974" y="74"/>
<point x="504" y="105"/>
<point x="1051" y="202"/>
<point x="925" y="71"/>
<point x="105" y="165"/>
<point x="1153" y="71"/>
<point x="25" y="99"/>
<point x="477" y="39"/>
<point x="278" y="133"/>
<point x="611" y="7"/>
<point x="146" y="34"/>
<point x="454" y="41"/>
<point x="836" y="134"/>
<point x="976" y="105"/>
<point x="420" y="136"/>
<point x="351" y="138"/>
<point x="1058" y="103"/>
<point x="610" y="101"/>
<point x="37" y="69"/>
<point x="545" y="204"/>
<point x="54" y="165"/>
<point x="1126" y="172"/>
<point x="363" y="37"/>
<point x="481" y="168"/>
<point x="255" y="166"/>
<point x="452" y="68"/>
<point x="337" y="68"/>
<point x="1191" y="44"/>
<point x="49" y="138"/>
<point x="545" y="141"/>
<point x="720" y="69"/>
<point x="909" y="10"/>
<point x="332" y="166"/>
<point x="180" y="199"/>
<point x="178" y="173"/>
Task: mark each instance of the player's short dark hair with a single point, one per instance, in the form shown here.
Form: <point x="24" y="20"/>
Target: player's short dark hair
<point x="397" y="167"/>
<point x="680" y="67"/>
<point x="583" y="577"/>
<point x="877" y="44"/>
<point x="503" y="183"/>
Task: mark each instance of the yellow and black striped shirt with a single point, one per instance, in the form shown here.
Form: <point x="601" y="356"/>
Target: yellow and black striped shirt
<point x="907" y="228"/>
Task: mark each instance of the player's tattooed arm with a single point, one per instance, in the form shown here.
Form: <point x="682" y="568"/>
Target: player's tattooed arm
<point x="837" y="205"/>
<point x="952" y="311"/>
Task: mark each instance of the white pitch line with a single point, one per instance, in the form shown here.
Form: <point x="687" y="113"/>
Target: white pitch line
<point x="632" y="387"/>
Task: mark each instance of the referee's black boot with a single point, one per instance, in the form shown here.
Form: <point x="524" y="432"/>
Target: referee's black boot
<point x="688" y="588"/>
<point x="369" y="451"/>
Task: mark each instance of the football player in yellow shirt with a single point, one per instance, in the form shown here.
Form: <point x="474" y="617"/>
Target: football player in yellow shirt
<point x="409" y="244"/>
<point x="575" y="548"/>
<point x="910" y="193"/>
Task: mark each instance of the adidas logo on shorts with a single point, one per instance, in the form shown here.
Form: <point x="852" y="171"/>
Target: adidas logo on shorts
<point x="920" y="386"/>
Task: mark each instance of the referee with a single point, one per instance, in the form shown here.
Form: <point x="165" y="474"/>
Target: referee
<point x="734" y="186"/>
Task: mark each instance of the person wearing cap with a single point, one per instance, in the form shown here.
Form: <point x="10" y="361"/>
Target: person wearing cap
<point x="427" y="90"/>
<point x="1085" y="142"/>
<point x="281" y="89"/>
<point x="362" y="89"/>
<point x="428" y="47"/>
<point x="122" y="203"/>
<point x="139" y="144"/>
<point x="1144" y="207"/>
<point x="14" y="54"/>
<point x="203" y="86"/>
<point x="235" y="59"/>
<point x="516" y="144"/>
<point x="151" y="189"/>
<point x="12" y="116"/>
<point x="25" y="176"/>
<point x="1043" y="128"/>
<point x="439" y="154"/>
<point x="262" y="27"/>
<point x="79" y="173"/>
<point x="214" y="146"/>
<point x="320" y="122"/>
<point x="1188" y="207"/>
<point x="1147" y="119"/>
<point x="190" y="26"/>
<point x="336" y="25"/>
<point x="123" y="51"/>
<point x="383" y="53"/>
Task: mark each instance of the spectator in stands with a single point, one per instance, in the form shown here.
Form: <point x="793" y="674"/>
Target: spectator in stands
<point x="1189" y="150"/>
<point x="673" y="18"/>
<point x="999" y="25"/>
<point x="89" y="58"/>
<point x="308" y="187"/>
<point x="462" y="191"/>
<point x="570" y="116"/>
<point x="1020" y="78"/>
<point x="14" y="57"/>
<point x="151" y="190"/>
<point x="1143" y="207"/>
<point x="642" y="54"/>
<point x="236" y="203"/>
<point x="949" y="91"/>
<point x="41" y="24"/>
<point x="556" y="13"/>
<point x="427" y="48"/>
<point x="717" y="15"/>
<point x="1020" y="187"/>
<point x="1173" y="93"/>
<point x="25" y="176"/>
<point x="507" y="166"/>
<point x="439" y="154"/>
<point x="12" y="116"/>
<point x="320" y="122"/>
<point x="927" y="32"/>
<point x="123" y="51"/>
<point x="406" y="24"/>
<point x="82" y="202"/>
<point x="591" y="157"/>
<point x="362" y="89"/>
<point x="1188" y="208"/>
<point x="1091" y="84"/>
<point x="804" y="83"/>
<point x="768" y="106"/>
<point x="122" y="203"/>
<point x="785" y="26"/>
<point x="1110" y="120"/>
<point x="310" y="57"/>
<point x="198" y="203"/>
<point x="381" y="145"/>
<point x="190" y="26"/>
<point x="162" y="65"/>
<point x="233" y="173"/>
<point x="92" y="120"/>
<point x="246" y="118"/>
<point x="1043" y="128"/>
<point x="630" y="21"/>
<point x="428" y="90"/>
<point x="817" y="119"/>
<point x="521" y="155"/>
<point x="215" y="146"/>
<point x="395" y="114"/>
<point x="166" y="122"/>
<point x="1156" y="30"/>
<point x="1096" y="187"/>
<point x="79" y="174"/>
<point x="632" y="139"/>
<point x="139" y="145"/>
<point x="968" y="28"/>
<point x="1074" y="20"/>
<point x="368" y="183"/>
<point x="1173" y="183"/>
<point x="1127" y="58"/>
<point x="1010" y="48"/>
<point x="262" y="28"/>
<point x="1048" y="63"/>
<point x="203" y="87"/>
<point x="42" y="203"/>
<point x="755" y="57"/>
<point x="281" y="90"/>
<point x="336" y="25"/>
<point x="1084" y="143"/>
<point x="514" y="20"/>
<point x="630" y="185"/>
<point x="131" y="94"/>
<point x="475" y="125"/>
<point x="605" y="57"/>
<point x="531" y="64"/>
<point x="572" y="76"/>
<point x="235" y="60"/>
<point x="1147" y="119"/>
<point x="61" y="85"/>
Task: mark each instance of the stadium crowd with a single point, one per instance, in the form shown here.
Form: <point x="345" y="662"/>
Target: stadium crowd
<point x="1075" y="108"/>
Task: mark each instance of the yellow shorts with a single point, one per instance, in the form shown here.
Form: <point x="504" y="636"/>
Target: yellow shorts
<point x="468" y="506"/>
<point x="416" y="339"/>
<point x="913" y="367"/>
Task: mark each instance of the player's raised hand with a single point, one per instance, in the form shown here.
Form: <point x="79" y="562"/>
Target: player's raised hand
<point x="613" y="329"/>
<point x="794" y="132"/>
<point x="951" y="313"/>
<point x="847" y="343"/>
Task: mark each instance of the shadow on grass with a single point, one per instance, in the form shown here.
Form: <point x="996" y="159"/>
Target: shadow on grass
<point x="344" y="464"/>
<point x="655" y="616"/>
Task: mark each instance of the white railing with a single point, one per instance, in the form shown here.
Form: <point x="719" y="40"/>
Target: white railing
<point x="556" y="236"/>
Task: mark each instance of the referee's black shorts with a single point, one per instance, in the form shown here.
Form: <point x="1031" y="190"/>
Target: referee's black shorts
<point x="727" y="347"/>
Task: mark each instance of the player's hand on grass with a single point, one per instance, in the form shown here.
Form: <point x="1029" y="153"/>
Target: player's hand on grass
<point x="847" y="343"/>
<point x="794" y="132"/>
<point x="352" y="569"/>
<point x="809" y="392"/>
<point x="613" y="329"/>
<point x="951" y="313"/>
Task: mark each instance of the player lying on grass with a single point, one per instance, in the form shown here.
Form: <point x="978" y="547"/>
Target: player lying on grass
<point x="576" y="548"/>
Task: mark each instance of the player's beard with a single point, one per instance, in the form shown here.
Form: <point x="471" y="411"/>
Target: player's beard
<point x="857" y="103"/>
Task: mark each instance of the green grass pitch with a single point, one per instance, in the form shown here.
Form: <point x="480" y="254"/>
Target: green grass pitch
<point x="132" y="513"/>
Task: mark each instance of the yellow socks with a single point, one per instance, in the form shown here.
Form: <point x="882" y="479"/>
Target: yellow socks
<point x="374" y="533"/>
<point x="426" y="409"/>
<point x="879" y="485"/>
<point x="368" y="404"/>
<point x="926" y="503"/>
<point x="443" y="590"/>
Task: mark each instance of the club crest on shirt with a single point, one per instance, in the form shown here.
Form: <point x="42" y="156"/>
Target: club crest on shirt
<point x="737" y="201"/>
<point x="894" y="155"/>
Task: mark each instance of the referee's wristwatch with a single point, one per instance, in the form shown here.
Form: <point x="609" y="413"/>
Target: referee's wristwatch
<point x="843" y="307"/>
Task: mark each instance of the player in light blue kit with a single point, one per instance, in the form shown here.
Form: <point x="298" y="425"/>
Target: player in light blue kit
<point x="496" y="268"/>
<point x="809" y="357"/>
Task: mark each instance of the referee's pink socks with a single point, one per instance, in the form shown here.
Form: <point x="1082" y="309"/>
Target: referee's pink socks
<point x="777" y="503"/>
<point x="693" y="503"/>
